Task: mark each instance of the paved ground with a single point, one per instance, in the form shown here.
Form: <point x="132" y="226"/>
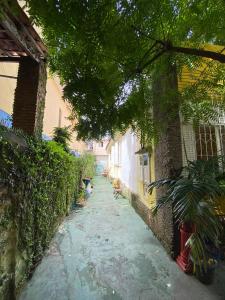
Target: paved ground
<point x="105" y="251"/>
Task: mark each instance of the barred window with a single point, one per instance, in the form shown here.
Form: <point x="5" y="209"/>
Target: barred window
<point x="206" y="146"/>
<point x="221" y="140"/>
<point x="210" y="141"/>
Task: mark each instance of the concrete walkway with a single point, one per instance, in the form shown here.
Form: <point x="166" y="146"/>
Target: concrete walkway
<point x="105" y="251"/>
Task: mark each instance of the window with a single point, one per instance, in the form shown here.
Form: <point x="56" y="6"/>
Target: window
<point x="221" y="134"/>
<point x="117" y="154"/>
<point x="60" y="118"/>
<point x="210" y="141"/>
<point x="144" y="170"/>
<point x="90" y="145"/>
<point x="206" y="146"/>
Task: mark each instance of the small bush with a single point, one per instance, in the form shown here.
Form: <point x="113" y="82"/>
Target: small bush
<point x="62" y="136"/>
<point x="88" y="165"/>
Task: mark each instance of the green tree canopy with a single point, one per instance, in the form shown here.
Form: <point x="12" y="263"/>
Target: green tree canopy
<point x="105" y="52"/>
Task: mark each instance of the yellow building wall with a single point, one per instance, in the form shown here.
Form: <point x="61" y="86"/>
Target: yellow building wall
<point x="56" y="110"/>
<point x="190" y="76"/>
<point x="7" y="86"/>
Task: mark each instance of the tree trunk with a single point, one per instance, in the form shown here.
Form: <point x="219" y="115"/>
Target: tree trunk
<point x="168" y="148"/>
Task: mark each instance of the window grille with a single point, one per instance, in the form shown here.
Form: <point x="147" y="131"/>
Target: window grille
<point x="210" y="141"/>
<point x="144" y="171"/>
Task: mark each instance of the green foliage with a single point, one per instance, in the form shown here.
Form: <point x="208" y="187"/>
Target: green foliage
<point x="193" y="195"/>
<point x="43" y="181"/>
<point x="204" y="100"/>
<point x="107" y="51"/>
<point x="62" y="136"/>
<point x="87" y="163"/>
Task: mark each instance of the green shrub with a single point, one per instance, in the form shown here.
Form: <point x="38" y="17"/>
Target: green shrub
<point x="88" y="165"/>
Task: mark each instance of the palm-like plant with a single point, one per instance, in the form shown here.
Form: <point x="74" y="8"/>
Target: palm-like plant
<point x="62" y="135"/>
<point x="193" y="194"/>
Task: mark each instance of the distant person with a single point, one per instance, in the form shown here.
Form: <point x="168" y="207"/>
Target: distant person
<point x="88" y="190"/>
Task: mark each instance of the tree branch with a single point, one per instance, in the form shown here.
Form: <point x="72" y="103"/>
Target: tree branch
<point x="151" y="60"/>
<point x="151" y="49"/>
<point x="167" y="46"/>
<point x="148" y="36"/>
<point x="198" y="52"/>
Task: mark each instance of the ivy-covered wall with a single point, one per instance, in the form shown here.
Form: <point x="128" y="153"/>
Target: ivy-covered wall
<point x="38" y="183"/>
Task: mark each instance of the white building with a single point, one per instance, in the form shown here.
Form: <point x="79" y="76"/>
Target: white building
<point x="130" y="164"/>
<point x="98" y="149"/>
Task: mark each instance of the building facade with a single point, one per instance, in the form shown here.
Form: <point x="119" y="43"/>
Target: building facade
<point x="178" y="143"/>
<point x="98" y="149"/>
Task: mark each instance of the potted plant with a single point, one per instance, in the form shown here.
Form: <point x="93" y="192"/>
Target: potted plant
<point x="205" y="274"/>
<point x="193" y="194"/>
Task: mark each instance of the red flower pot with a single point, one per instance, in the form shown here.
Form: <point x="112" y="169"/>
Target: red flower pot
<point x="183" y="259"/>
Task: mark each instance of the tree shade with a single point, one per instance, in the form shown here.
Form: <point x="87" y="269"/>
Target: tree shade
<point x="106" y="53"/>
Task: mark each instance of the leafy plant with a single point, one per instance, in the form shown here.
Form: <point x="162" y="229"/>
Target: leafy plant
<point x="88" y="165"/>
<point x="108" y="52"/>
<point x="193" y="195"/>
<point x="62" y="136"/>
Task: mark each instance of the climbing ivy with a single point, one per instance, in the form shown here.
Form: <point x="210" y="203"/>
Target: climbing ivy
<point x="42" y="181"/>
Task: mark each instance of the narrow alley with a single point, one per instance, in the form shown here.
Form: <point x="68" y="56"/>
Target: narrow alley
<point x="105" y="251"/>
